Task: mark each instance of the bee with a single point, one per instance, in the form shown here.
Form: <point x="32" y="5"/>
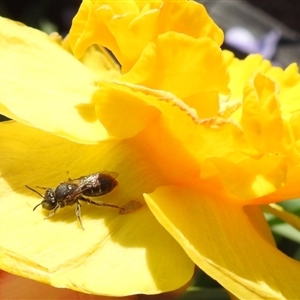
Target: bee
<point x="70" y="192"/>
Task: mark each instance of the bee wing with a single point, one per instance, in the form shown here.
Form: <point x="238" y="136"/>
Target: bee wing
<point x="83" y="178"/>
<point x="87" y="182"/>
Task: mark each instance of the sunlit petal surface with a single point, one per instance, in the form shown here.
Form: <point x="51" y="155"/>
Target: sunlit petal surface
<point x="115" y="254"/>
<point x="43" y="85"/>
<point x="246" y="260"/>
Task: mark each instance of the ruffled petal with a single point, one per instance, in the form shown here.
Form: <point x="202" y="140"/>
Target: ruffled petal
<point x="249" y="178"/>
<point x="182" y="65"/>
<point x="194" y="20"/>
<point x="217" y="146"/>
<point x="126" y="29"/>
<point x="243" y="72"/>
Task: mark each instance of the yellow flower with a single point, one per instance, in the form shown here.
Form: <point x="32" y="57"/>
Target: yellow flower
<point x="43" y="89"/>
<point x="126" y="28"/>
<point x="199" y="139"/>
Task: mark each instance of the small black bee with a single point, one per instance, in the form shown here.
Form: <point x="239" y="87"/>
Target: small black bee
<point x="70" y="192"/>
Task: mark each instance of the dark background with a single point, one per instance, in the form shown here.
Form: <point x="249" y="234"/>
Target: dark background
<point x="60" y="12"/>
<point x="35" y="12"/>
<point x="287" y="11"/>
<point x="259" y="16"/>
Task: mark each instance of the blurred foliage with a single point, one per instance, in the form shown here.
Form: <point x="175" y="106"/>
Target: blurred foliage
<point x="47" y="15"/>
<point x="287" y="11"/>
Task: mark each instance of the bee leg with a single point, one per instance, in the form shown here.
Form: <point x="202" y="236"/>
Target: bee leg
<point x="89" y="201"/>
<point x="53" y="211"/>
<point x="78" y="213"/>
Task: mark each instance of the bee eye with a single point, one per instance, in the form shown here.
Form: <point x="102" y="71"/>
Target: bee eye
<point x="50" y="202"/>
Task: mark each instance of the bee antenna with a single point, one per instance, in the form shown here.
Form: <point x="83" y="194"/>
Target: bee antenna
<point x="37" y="205"/>
<point x="35" y="192"/>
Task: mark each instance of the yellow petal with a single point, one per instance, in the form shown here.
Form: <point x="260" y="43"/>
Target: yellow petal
<point x="126" y="28"/>
<point x="250" y="178"/>
<point x="287" y="81"/>
<point x="194" y="20"/>
<point x="123" y="112"/>
<point x="42" y="85"/>
<point x="288" y="85"/>
<point x="172" y="63"/>
<point x="203" y="138"/>
<point x="229" y="242"/>
<point x="261" y="114"/>
<point x="100" y="62"/>
<point x="96" y="58"/>
<point x="289" y="191"/>
<point x="240" y="71"/>
<point x="270" y="121"/>
<point x="128" y="111"/>
<point x="117" y="254"/>
<point x="216" y="144"/>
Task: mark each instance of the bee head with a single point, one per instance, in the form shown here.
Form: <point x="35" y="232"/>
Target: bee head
<point x="49" y="201"/>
